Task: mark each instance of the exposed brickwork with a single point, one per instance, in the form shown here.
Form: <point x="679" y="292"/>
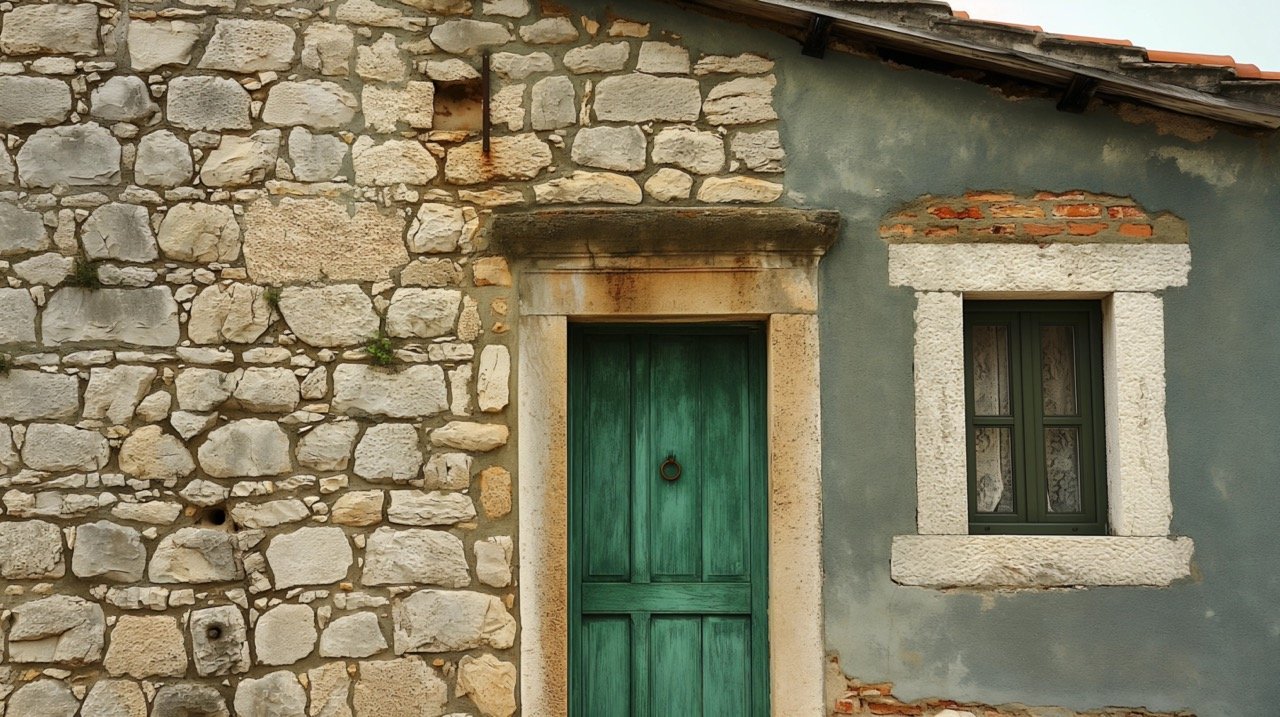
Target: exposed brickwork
<point x="863" y="699"/>
<point x="1040" y="218"/>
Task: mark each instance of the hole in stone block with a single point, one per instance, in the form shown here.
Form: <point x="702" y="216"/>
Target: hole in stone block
<point x="216" y="517"/>
<point x="459" y="105"/>
<point x="213" y="632"/>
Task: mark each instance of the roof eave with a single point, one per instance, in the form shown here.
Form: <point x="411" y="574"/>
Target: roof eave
<point x="1051" y="71"/>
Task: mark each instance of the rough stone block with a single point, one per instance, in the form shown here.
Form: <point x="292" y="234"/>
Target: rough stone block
<point x="449" y="621"/>
<point x="759" y="151"/>
<point x="326" y="48"/>
<point x="309" y="556"/>
<point x="44" y="698"/>
<point x="238" y="161"/>
<point x="200" y="102"/>
<point x="278" y="694"/>
<point x="21" y="231"/>
<point x="75" y="155"/>
<point x="70" y="29"/>
<point x="28" y="395"/>
<point x="268" y="390"/>
<point x="143" y="647"/>
<point x="316" y="157"/>
<point x="357" y="635"/>
<point x="549" y="31"/>
<point x="607" y="57"/>
<point x="589" y="188"/>
<point x="156" y="44"/>
<point x="381" y="60"/>
<point x="249" y="46"/>
<point x="123" y="98"/>
<point x="247" y="448"/>
<point x="114" y="393"/>
<point x="315" y="239"/>
<point x="746" y="100"/>
<point x="413" y="392"/>
<point x="219" y="641"/>
<point x="386" y="107"/>
<point x="553" y="103"/>
<point x="492" y="390"/>
<point x="121" y="232"/>
<point x="204" y="389"/>
<point x="690" y="149"/>
<point x="662" y="58"/>
<point x="518" y="157"/>
<point x="645" y="98"/>
<point x="621" y="149"/>
<point x="185" y="699"/>
<point x="395" y="161"/>
<point x="142" y="317"/>
<point x="423" y="313"/>
<point x="328" y="447"/>
<point x="31" y="550"/>
<point x="493" y="561"/>
<point x="739" y="190"/>
<point x="59" y="447"/>
<point x="314" y="103"/>
<point x="150" y="454"/>
<point x="463" y="37"/>
<point x="195" y="555"/>
<point x="60" y="628"/>
<point x="235" y="313"/>
<point x="17" y="316"/>
<point x="330" y="690"/>
<point x="490" y="683"/>
<point x="415" y="556"/>
<point x="284" y="634"/>
<point x="114" y="698"/>
<point x="414" y="507"/>
<point x="200" y="233"/>
<point x="389" y="452"/>
<point x="405" y="687"/>
<point x="114" y="552"/>
<point x="33" y="100"/>
<point x="163" y="160"/>
<point x="464" y="436"/>
<point x="339" y="315"/>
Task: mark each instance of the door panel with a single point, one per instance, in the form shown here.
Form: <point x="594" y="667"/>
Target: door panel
<point x="668" y="590"/>
<point x="606" y="645"/>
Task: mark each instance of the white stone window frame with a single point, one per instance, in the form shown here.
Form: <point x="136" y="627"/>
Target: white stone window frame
<point x="647" y="265"/>
<point x="1127" y="279"/>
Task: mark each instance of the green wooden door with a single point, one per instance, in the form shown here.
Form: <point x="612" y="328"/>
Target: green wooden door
<point x="668" y="589"/>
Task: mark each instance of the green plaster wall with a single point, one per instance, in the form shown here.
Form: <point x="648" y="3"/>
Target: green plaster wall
<point x="862" y="138"/>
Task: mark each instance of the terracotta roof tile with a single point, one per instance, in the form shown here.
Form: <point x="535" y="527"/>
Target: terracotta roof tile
<point x="1190" y="58"/>
<point x="1248" y="72"/>
<point x="1098" y="40"/>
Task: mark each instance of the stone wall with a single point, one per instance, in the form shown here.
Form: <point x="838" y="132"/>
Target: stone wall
<point x="256" y="447"/>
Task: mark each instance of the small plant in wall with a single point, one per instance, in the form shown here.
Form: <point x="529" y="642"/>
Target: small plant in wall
<point x="85" y="274"/>
<point x="272" y="295"/>
<point x="380" y="350"/>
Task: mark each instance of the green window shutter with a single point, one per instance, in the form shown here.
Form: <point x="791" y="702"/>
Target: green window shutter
<point x="1033" y="408"/>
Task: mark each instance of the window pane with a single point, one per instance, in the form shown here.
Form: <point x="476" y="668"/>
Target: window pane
<point x="993" y="459"/>
<point x="990" y="362"/>
<point x="1058" y="370"/>
<point x="1062" y="469"/>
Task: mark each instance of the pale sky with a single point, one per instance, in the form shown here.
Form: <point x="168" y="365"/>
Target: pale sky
<point x="1248" y="30"/>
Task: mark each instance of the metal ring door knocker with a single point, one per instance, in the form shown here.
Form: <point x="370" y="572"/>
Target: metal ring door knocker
<point x="670" y="469"/>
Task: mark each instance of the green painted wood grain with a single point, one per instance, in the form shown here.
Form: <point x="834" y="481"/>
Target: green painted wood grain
<point x="667" y="591"/>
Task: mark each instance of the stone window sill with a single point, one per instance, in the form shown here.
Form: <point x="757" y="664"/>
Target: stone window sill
<point x="1035" y="561"/>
